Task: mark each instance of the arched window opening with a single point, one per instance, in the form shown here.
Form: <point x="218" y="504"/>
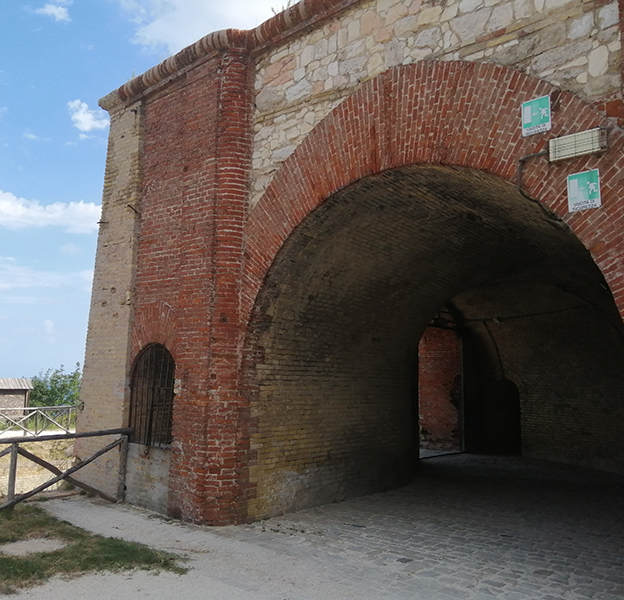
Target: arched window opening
<point x="151" y="397"/>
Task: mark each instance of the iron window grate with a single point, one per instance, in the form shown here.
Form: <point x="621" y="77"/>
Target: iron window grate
<point x="151" y="397"/>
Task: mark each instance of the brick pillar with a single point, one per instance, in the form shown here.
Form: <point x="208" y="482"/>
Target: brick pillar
<point x="227" y="437"/>
<point x="203" y="208"/>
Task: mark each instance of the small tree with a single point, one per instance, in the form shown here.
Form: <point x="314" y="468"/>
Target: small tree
<point x="56" y="388"/>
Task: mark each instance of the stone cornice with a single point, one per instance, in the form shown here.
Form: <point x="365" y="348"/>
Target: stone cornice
<point x="277" y="29"/>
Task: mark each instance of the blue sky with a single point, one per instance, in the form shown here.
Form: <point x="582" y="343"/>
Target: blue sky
<point x="57" y="59"/>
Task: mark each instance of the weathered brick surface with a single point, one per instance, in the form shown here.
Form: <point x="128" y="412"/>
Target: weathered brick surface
<point x="196" y="146"/>
<point x="292" y="292"/>
<point x="107" y="360"/>
<point x="439" y="389"/>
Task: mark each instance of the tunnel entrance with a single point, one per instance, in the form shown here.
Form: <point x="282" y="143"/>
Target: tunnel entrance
<point x="339" y="318"/>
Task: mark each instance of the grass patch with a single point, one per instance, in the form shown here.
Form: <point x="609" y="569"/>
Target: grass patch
<point x="84" y="551"/>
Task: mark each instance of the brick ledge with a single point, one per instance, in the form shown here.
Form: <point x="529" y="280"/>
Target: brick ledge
<point x="275" y="30"/>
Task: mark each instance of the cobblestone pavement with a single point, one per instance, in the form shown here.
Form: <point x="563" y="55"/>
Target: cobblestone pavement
<point x="468" y="528"/>
<point x="475" y="528"/>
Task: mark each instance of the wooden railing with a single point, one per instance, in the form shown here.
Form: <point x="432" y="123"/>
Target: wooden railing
<point x="37" y="419"/>
<point x="14" y="450"/>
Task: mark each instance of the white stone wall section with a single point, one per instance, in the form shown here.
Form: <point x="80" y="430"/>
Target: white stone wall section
<point x="571" y="43"/>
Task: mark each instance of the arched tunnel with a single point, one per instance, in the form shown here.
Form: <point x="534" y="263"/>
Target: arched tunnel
<point x="337" y="325"/>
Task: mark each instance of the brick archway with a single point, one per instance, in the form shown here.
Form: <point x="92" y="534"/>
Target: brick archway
<point x="425" y="122"/>
<point x="447" y="113"/>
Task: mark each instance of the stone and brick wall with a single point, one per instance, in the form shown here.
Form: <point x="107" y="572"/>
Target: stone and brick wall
<point x="573" y="44"/>
<point x="286" y="208"/>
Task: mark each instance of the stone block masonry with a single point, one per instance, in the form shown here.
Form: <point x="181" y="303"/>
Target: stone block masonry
<point x="574" y="45"/>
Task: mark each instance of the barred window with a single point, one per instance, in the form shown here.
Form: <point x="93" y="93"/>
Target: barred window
<point x="151" y="397"/>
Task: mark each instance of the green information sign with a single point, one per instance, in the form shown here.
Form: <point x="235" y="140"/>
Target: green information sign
<point x="536" y="116"/>
<point x="584" y="190"/>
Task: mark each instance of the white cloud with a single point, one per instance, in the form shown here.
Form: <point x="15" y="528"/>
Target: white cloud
<point x="71" y="250"/>
<point x="14" y="276"/>
<point x="31" y="136"/>
<point x="57" y="11"/>
<point x="74" y="217"/>
<point x="86" y="278"/>
<point x="86" y="119"/>
<point x="13" y="299"/>
<point x="48" y="327"/>
<point x="179" y="23"/>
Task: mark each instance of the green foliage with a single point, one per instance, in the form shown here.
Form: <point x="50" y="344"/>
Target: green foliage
<point x="56" y="388"/>
<point x="83" y="551"/>
<point x="278" y="10"/>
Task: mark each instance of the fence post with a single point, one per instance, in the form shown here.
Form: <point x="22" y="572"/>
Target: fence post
<point x="12" y="472"/>
<point x="123" y="461"/>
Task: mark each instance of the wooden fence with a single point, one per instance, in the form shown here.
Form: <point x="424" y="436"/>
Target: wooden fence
<point x="14" y="450"/>
<point x="35" y="420"/>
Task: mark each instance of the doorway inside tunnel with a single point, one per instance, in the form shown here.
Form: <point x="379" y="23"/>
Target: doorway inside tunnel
<point x="463" y="404"/>
<point x="337" y="325"/>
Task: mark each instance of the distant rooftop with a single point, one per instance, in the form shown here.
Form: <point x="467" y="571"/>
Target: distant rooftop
<point x="9" y="383"/>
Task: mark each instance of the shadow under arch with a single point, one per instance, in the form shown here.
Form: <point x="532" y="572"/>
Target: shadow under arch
<point x="335" y="329"/>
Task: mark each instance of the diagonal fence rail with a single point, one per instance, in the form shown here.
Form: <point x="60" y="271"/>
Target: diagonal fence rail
<point x="14" y="451"/>
<point x="34" y="420"/>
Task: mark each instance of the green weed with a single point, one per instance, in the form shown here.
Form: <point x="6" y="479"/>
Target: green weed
<point x="83" y="552"/>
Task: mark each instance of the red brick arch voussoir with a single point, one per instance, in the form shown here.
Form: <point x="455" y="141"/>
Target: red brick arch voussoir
<point x="455" y="113"/>
<point x="155" y="323"/>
